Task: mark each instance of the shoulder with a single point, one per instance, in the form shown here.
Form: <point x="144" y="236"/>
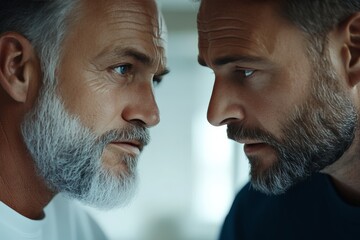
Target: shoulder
<point x="251" y="201"/>
<point x="253" y="210"/>
<point x="312" y="186"/>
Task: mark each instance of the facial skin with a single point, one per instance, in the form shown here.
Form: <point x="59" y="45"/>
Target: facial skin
<point x="86" y="133"/>
<point x="107" y="71"/>
<point x="291" y="111"/>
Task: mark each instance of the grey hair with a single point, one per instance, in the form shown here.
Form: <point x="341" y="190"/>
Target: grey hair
<point x="44" y="23"/>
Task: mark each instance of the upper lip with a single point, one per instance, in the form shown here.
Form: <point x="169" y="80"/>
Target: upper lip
<point x="248" y="141"/>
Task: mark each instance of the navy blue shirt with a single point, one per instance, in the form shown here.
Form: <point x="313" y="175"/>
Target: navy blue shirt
<point x="309" y="210"/>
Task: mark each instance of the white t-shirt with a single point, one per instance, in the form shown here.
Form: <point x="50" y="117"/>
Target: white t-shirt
<point x="63" y="220"/>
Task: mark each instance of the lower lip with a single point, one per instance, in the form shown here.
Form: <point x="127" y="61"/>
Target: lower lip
<point x="253" y="148"/>
<point x="127" y="148"/>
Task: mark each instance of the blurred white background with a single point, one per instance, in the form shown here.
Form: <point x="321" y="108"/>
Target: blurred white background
<point x="190" y="172"/>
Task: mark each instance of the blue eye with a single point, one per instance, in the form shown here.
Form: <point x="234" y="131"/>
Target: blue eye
<point x="122" y="69"/>
<point x="248" y="72"/>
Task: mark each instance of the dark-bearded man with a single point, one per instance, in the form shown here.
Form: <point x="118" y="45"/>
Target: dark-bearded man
<point x="287" y="77"/>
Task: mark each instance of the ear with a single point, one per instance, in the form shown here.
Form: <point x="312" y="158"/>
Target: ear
<point x="352" y="29"/>
<point x="15" y="54"/>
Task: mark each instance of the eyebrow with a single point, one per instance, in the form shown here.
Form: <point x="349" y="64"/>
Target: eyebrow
<point x="234" y="58"/>
<point x="131" y="52"/>
<point x="139" y="56"/>
<point x="162" y="73"/>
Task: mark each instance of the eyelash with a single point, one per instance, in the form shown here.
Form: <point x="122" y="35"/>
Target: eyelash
<point x="244" y="75"/>
<point x="127" y="66"/>
<point x="156" y="80"/>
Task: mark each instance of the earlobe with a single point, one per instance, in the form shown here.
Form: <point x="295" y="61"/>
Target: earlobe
<point x="15" y="53"/>
<point x="353" y="46"/>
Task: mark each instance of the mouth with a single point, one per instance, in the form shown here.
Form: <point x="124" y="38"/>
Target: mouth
<point x="251" y="148"/>
<point x="131" y="147"/>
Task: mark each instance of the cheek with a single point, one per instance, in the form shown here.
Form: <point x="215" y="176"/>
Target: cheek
<point x="101" y="112"/>
<point x="271" y="112"/>
<point x="278" y="101"/>
<point x="96" y="107"/>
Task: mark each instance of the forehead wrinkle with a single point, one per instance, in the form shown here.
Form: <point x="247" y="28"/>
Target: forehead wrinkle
<point x="230" y="39"/>
<point x="145" y="14"/>
<point x="154" y="37"/>
<point x="153" y="56"/>
<point x="141" y="28"/>
<point x="219" y="19"/>
<point x="233" y="32"/>
<point x="134" y="27"/>
<point x="123" y="13"/>
<point x="140" y="17"/>
<point x="221" y="29"/>
<point x="228" y="36"/>
<point x="227" y="32"/>
<point x="224" y="24"/>
<point x="131" y="22"/>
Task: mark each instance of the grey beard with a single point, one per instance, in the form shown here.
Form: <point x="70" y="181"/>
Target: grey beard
<point x="68" y="155"/>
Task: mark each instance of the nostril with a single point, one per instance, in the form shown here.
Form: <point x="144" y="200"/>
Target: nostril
<point x="138" y="122"/>
<point x="228" y="121"/>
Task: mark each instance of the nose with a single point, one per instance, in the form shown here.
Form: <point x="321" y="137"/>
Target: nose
<point x="225" y="104"/>
<point x="142" y="107"/>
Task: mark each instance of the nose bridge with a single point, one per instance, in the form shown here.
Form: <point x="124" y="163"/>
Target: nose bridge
<point x="225" y="103"/>
<point x="142" y="107"/>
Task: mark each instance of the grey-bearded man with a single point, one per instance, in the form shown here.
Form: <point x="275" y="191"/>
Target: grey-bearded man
<point x="76" y="101"/>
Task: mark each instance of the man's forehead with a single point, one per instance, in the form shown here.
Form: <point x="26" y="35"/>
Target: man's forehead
<point x="134" y="24"/>
<point x="236" y="14"/>
<point x="210" y="9"/>
<point x="243" y="26"/>
<point x="146" y="8"/>
<point x="138" y="13"/>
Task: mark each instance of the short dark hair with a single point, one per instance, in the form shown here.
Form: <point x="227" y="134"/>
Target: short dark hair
<point x="318" y="17"/>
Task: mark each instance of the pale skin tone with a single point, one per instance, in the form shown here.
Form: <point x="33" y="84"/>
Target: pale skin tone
<point x="262" y="71"/>
<point x="105" y="77"/>
<point x="107" y="100"/>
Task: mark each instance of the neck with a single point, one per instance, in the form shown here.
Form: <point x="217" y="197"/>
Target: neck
<point x="20" y="187"/>
<point x="345" y="173"/>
